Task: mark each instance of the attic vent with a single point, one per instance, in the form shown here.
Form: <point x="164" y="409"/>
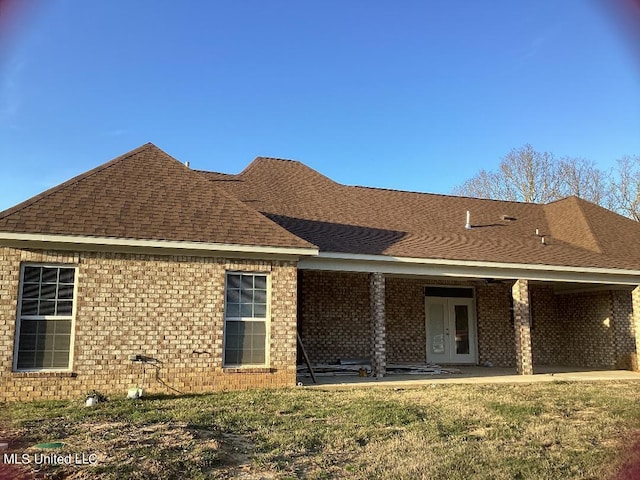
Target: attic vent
<point x="509" y="218"/>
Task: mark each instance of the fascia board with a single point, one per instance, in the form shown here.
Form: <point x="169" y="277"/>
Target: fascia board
<point x="158" y="247"/>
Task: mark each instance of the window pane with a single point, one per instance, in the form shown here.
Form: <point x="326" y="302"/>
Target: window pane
<point x="233" y="342"/>
<point x="29" y="326"/>
<point x="260" y="310"/>
<point x="40" y="342"/>
<point x="65" y="308"/>
<point x="61" y="342"/>
<point x="261" y="282"/>
<point x="233" y="296"/>
<point x="259" y="328"/>
<point x="30" y="290"/>
<point x="246" y="310"/>
<point x="47" y="307"/>
<point x="246" y="342"/>
<point x="27" y="342"/>
<point x="60" y="359"/>
<point x="63" y="327"/>
<point x="253" y="356"/>
<point x="233" y="310"/>
<point x="49" y="275"/>
<point x="260" y="296"/>
<point x="246" y="296"/>
<point x="49" y="341"/>
<point x="231" y="357"/>
<point x="233" y="280"/>
<point x="29" y="307"/>
<point x="247" y="281"/>
<point x="65" y="292"/>
<point x="233" y="328"/>
<point x="67" y="275"/>
<point x="48" y="290"/>
<point x="32" y="274"/>
<point x="26" y="359"/>
<point x="42" y="360"/>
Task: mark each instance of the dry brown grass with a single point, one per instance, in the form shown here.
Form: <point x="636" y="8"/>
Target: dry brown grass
<point x="546" y="431"/>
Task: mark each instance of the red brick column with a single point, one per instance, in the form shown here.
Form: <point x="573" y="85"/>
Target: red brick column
<point x="522" y="325"/>
<point x="379" y="335"/>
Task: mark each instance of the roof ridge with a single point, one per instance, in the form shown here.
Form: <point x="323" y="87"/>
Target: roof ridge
<point x="304" y="168"/>
<point x="442" y="195"/>
<point x="576" y="202"/>
<point x="254" y="163"/>
<point x="592" y="230"/>
<point x="78" y="178"/>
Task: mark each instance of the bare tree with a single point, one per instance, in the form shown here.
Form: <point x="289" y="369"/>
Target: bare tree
<point x="583" y="179"/>
<point x="530" y="176"/>
<point x="626" y="187"/>
<point x="524" y="175"/>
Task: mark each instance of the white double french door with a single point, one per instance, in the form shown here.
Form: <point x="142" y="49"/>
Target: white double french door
<point x="451" y="330"/>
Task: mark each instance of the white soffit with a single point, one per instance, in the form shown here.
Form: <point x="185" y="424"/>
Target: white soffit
<point x="467" y="269"/>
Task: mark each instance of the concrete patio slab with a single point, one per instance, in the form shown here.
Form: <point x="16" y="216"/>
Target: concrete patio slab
<point x="474" y="375"/>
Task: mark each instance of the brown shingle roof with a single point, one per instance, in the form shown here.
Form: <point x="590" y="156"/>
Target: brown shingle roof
<point x="146" y="194"/>
<point x="340" y="218"/>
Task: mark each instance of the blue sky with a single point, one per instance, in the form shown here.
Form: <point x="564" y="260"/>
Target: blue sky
<point x="413" y="94"/>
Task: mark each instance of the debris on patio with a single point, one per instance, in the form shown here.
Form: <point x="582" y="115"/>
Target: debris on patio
<point x="421" y="369"/>
<point x="362" y="367"/>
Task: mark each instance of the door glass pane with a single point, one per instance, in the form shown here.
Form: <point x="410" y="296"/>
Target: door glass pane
<point x="436" y="329"/>
<point x="462" y="329"/>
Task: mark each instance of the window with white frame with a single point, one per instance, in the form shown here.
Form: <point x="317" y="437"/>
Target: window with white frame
<point x="45" y="317"/>
<point x="245" y="319"/>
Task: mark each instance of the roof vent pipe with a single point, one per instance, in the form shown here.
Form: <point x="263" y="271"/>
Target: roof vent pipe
<point x="468" y="224"/>
<point x="187" y="164"/>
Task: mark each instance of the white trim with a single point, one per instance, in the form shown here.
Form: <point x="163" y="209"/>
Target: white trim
<point x="67" y="241"/>
<point x="467" y="269"/>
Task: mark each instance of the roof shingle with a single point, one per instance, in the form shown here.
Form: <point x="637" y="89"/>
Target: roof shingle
<point x="348" y="219"/>
<point x="146" y="194"/>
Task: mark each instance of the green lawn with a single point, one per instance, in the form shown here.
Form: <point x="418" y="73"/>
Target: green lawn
<point x="547" y="431"/>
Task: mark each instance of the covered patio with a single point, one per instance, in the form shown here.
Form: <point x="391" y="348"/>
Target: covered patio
<point x="494" y="323"/>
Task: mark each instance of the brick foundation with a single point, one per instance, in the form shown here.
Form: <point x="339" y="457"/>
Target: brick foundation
<point x="169" y="308"/>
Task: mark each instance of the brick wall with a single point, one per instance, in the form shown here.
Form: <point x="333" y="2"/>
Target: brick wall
<point x="168" y="308"/>
<point x="335" y="315"/>
<point x="625" y="330"/>
<point x="406" y="329"/>
<point x="496" y="339"/>
<point x="548" y="330"/>
<point x="573" y="329"/>
<point x="586" y="319"/>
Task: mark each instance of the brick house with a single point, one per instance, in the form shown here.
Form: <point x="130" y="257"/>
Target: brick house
<point x="209" y="276"/>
